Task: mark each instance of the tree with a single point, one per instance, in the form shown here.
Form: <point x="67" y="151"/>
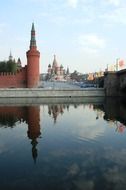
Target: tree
<point x="8" y="66"/>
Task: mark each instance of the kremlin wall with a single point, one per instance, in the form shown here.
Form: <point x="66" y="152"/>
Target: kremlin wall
<point x="28" y="76"/>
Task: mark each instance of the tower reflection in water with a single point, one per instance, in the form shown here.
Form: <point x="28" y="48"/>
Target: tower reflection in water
<point x="33" y="120"/>
<point x="10" y="115"/>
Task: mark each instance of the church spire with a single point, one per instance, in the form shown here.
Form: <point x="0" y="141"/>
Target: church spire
<point x="33" y="40"/>
<point x="55" y="64"/>
<point x="10" y="56"/>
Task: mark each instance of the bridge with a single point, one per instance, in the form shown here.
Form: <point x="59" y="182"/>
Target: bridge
<point x="115" y="83"/>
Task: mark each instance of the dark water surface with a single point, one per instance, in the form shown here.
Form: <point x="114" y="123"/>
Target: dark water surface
<point x="80" y="146"/>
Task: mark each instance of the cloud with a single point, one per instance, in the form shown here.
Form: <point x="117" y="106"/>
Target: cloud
<point x="91" y="43"/>
<point x="3" y="26"/>
<point x="116" y="16"/>
<point x="59" y="20"/>
<point x="72" y="3"/>
<point x="114" y="2"/>
<point x="90" y="132"/>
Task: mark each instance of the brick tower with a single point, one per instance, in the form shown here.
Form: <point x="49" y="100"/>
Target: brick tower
<point x="33" y="56"/>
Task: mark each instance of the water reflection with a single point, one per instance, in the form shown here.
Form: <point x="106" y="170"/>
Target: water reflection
<point x="114" y="113"/>
<point x="33" y="120"/>
<point x="55" y="110"/>
<point x="78" y="150"/>
<point x="9" y="116"/>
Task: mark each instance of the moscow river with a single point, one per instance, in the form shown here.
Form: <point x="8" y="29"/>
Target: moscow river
<point x="63" y="146"/>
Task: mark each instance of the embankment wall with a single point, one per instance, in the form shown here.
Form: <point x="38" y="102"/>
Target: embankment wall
<point x="49" y="93"/>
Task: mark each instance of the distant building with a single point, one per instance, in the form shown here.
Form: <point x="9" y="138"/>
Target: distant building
<point x="18" y="62"/>
<point x="93" y="76"/>
<point x="56" y="72"/>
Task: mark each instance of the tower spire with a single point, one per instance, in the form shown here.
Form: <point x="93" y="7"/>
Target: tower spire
<point x="32" y="62"/>
<point x="33" y="40"/>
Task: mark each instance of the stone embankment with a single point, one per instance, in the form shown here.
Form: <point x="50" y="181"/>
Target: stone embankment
<point x="50" y="93"/>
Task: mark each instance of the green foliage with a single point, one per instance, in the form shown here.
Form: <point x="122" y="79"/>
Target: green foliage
<point x="8" y="66"/>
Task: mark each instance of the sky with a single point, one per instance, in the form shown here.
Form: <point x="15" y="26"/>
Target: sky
<point x="85" y="35"/>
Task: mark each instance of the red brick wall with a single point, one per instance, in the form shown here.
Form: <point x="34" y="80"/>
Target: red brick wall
<point x="17" y="80"/>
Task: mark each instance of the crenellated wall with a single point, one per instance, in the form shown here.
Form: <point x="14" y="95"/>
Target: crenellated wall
<point x="14" y="80"/>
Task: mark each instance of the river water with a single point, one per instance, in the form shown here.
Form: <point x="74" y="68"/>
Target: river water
<point x="63" y="146"/>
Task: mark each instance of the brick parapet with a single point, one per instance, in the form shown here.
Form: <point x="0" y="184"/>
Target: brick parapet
<point x="14" y="80"/>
